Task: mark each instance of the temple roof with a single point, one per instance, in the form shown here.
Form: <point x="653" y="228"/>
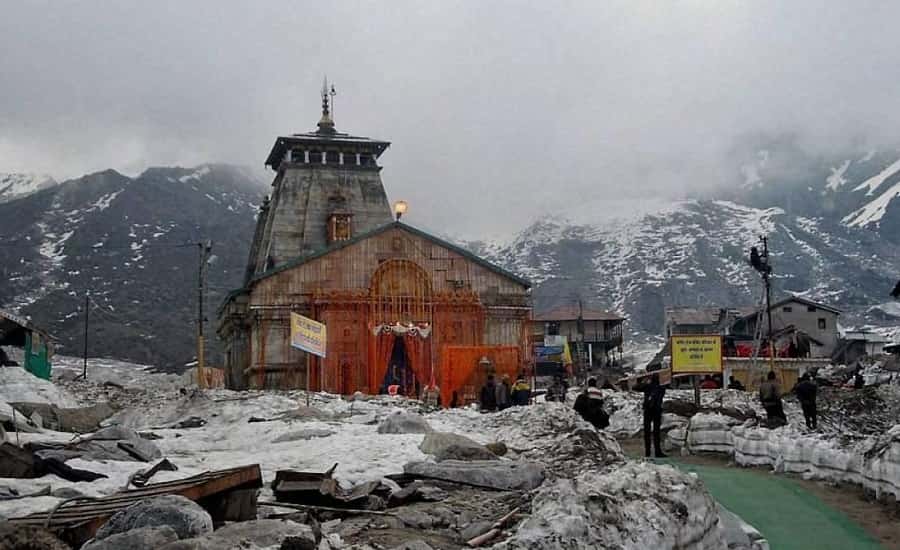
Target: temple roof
<point x="572" y="313"/>
<point x="404" y="227"/>
<point x="315" y="139"/>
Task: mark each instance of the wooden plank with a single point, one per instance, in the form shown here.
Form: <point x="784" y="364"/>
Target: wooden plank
<point x="79" y="521"/>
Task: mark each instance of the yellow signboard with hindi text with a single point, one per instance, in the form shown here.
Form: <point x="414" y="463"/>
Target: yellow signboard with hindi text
<point x="696" y="354"/>
<point x="308" y="335"/>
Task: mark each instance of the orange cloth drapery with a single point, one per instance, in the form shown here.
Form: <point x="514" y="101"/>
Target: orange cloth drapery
<point x="417" y="354"/>
<point x="381" y="347"/>
<point x="462" y="372"/>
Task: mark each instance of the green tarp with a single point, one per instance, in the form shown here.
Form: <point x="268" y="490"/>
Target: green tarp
<point x="37" y="356"/>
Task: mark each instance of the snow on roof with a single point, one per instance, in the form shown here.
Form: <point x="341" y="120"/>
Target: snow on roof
<point x="572" y="313"/>
<point x="694" y="315"/>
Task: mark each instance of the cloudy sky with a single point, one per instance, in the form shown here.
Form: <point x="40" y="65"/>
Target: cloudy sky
<point x="498" y="111"/>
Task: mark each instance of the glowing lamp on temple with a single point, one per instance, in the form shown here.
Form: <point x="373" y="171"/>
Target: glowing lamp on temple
<point x="400" y="209"/>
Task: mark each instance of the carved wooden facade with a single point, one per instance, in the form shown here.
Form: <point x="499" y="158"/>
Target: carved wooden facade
<point x="394" y="282"/>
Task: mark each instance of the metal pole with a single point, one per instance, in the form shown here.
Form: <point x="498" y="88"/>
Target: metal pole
<point x="87" y="310"/>
<point x="308" y="366"/>
<point x="766" y="274"/>
<point x="205" y="249"/>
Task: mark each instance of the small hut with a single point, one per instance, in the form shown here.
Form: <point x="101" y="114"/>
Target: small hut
<point x="16" y="331"/>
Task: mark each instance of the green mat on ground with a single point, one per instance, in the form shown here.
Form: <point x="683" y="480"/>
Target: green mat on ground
<point x="789" y="516"/>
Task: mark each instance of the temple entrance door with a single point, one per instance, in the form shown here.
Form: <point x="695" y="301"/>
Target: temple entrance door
<point x="399" y="372"/>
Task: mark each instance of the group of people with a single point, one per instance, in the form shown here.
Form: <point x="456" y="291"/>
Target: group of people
<point x="497" y="397"/>
<point x="589" y="404"/>
<point x="805" y="390"/>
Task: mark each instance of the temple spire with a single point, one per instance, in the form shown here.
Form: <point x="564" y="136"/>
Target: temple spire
<point x="326" y="123"/>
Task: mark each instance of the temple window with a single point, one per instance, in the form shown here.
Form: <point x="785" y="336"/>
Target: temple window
<point x="339" y="227"/>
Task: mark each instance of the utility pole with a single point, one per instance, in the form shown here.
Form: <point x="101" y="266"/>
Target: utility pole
<point x="87" y="310"/>
<point x="767" y="274"/>
<point x="580" y="346"/>
<point x="205" y="251"/>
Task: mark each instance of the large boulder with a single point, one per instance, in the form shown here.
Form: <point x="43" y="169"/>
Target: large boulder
<point x="185" y="516"/>
<point x="259" y="533"/>
<point x="404" y="423"/>
<point x="28" y="537"/>
<point x="145" y="538"/>
<point x="450" y="446"/>
<point x="506" y="476"/>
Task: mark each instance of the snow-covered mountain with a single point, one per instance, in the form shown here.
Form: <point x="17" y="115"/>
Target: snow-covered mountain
<point x="130" y="243"/>
<point x="14" y="186"/>
<point x="833" y="228"/>
<point x="857" y="190"/>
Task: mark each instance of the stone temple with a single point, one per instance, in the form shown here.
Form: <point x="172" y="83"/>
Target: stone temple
<point x="403" y="309"/>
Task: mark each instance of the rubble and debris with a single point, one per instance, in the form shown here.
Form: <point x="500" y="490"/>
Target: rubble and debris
<point x="31" y="537"/>
<point x="493" y="530"/>
<point x="366" y="502"/>
<point x="142" y="477"/>
<point x="18" y="463"/>
<point x="111" y="443"/>
<point x="139" y="538"/>
<point x="227" y="495"/>
<point x="74" y="420"/>
<point x="15" y="421"/>
<point x="256" y="533"/>
<point x="8" y="493"/>
<point x="190" y="422"/>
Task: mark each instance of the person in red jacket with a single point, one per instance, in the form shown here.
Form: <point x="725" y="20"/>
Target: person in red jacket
<point x="709" y="383"/>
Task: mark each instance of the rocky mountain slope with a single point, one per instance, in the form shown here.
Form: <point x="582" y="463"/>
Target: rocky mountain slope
<point x="131" y="244"/>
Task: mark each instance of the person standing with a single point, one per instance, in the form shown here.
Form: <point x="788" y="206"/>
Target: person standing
<point x="503" y="393"/>
<point x="735" y="384"/>
<point x="806" y="391"/>
<point x="770" y="397"/>
<point x="557" y="390"/>
<point x="521" y="392"/>
<point x="489" y="395"/>
<point x="589" y="404"/>
<point x="654" y="393"/>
